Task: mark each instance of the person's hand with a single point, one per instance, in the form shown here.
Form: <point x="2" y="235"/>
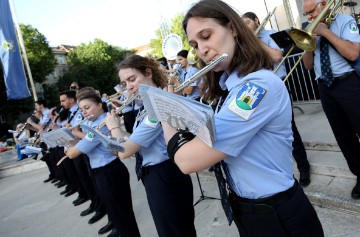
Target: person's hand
<point x="112" y="120"/>
<point x="29" y="121"/>
<point x="67" y="125"/>
<point x="320" y="29"/>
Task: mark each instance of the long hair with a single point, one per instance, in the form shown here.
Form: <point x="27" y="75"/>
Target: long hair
<point x="249" y="53"/>
<point x="141" y="64"/>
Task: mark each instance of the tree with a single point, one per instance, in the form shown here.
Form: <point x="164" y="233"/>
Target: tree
<point x="95" y="65"/>
<point x="41" y="58"/>
<point x="175" y="28"/>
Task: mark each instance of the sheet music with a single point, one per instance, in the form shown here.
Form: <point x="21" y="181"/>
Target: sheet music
<point x="180" y="112"/>
<point x="112" y="145"/>
<point x="58" y="137"/>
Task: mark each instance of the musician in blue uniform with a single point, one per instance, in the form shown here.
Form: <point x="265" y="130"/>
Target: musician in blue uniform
<point x="111" y="175"/>
<point x="169" y="192"/>
<point x="299" y="152"/>
<point x="253" y="129"/>
<point x="188" y="70"/>
<point x="338" y="83"/>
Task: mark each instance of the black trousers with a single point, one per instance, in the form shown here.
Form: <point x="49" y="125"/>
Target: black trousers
<point x="341" y="104"/>
<point x="170" y="197"/>
<point x="294" y="216"/>
<point x="113" y="183"/>
<point x="86" y="185"/>
<point x="299" y="152"/>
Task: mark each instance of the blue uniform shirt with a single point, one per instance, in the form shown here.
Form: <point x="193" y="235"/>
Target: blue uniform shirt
<point x="91" y="145"/>
<point x="77" y="118"/>
<point x="264" y="36"/>
<point x="345" y="27"/>
<point x="253" y="127"/>
<point x="149" y="135"/>
<point x="185" y="75"/>
<point x="45" y="116"/>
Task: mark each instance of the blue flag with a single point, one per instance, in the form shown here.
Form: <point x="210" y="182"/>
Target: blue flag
<point x="14" y="74"/>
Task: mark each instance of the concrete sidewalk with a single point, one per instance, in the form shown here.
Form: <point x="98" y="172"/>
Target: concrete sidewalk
<point x="32" y="208"/>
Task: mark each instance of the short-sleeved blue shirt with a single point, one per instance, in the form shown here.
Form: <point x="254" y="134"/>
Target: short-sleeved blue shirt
<point x="187" y="74"/>
<point x="253" y="127"/>
<point x="345" y="27"/>
<point x="91" y="145"/>
<point x="264" y="36"/>
<point x="149" y="135"/>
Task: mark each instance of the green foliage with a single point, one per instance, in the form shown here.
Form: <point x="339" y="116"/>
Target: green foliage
<point x="41" y="58"/>
<point x="175" y="28"/>
<point x="95" y="65"/>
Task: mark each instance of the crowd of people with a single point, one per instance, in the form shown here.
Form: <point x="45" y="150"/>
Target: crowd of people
<point x="261" y="194"/>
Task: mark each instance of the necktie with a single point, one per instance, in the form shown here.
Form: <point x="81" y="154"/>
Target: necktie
<point x="223" y="192"/>
<point x="220" y="177"/>
<point x="138" y="156"/>
<point x="327" y="75"/>
<point x="138" y="165"/>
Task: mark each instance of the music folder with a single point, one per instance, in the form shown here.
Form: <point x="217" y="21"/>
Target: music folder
<point x="282" y="39"/>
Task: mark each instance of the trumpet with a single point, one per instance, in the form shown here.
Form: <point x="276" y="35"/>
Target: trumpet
<point x="111" y="97"/>
<point x="303" y="38"/>
<point x="118" y="110"/>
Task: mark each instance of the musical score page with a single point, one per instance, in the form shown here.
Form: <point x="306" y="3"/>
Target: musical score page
<point x="58" y="137"/>
<point x="180" y="112"/>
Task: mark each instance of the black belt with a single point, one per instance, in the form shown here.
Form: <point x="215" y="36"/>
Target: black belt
<point x="262" y="205"/>
<point x="344" y="76"/>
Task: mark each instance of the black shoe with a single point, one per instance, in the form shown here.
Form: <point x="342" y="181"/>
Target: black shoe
<point x="87" y="211"/>
<point x="109" y="226"/>
<point x="66" y="190"/>
<point x="304" y="178"/>
<point x="55" y="180"/>
<point x="61" y="184"/>
<point x="71" y="192"/>
<point x="80" y="200"/>
<point x="96" y="217"/>
<point x="49" y="179"/>
<point x="114" y="233"/>
<point x="56" y="183"/>
<point x="355" y="193"/>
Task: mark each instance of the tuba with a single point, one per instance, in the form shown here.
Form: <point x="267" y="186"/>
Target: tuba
<point x="171" y="45"/>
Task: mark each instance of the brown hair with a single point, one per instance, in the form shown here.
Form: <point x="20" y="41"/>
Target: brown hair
<point x="249" y="53"/>
<point x="142" y="64"/>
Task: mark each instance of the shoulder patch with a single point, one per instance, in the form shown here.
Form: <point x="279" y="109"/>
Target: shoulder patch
<point x="247" y="99"/>
<point x="353" y="27"/>
<point x="150" y="122"/>
<point x="89" y="136"/>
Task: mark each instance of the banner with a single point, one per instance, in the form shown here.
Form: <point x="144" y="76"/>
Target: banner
<point x="13" y="69"/>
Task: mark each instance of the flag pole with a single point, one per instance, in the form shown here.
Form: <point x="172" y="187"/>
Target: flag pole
<point x="22" y="46"/>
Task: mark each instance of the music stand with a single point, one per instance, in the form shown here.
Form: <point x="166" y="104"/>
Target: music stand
<point x="202" y="196"/>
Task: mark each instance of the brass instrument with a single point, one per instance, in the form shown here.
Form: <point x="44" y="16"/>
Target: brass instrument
<point x="264" y="22"/>
<point x="118" y="110"/>
<point x="111" y="97"/>
<point x="303" y="38"/>
<point x="192" y="57"/>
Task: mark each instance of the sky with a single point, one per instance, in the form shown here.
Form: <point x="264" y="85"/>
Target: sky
<point x="127" y="24"/>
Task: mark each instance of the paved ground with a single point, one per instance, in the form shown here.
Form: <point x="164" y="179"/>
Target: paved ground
<point x="31" y="208"/>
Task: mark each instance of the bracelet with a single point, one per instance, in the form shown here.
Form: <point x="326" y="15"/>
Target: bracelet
<point x="178" y="140"/>
<point x="114" y="128"/>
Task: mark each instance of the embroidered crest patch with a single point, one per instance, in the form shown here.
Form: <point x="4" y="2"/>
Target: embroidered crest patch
<point x="353" y="28"/>
<point x="89" y="136"/>
<point x="151" y="122"/>
<point x="247" y="100"/>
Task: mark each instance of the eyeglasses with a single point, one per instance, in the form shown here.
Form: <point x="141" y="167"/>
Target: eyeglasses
<point x="311" y="11"/>
<point x="72" y="87"/>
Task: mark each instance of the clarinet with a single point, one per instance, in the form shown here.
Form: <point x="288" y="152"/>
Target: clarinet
<point x="23" y="127"/>
<point x="73" y="115"/>
<point x="55" y="119"/>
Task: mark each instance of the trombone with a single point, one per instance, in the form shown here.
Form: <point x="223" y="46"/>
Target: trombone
<point x="303" y="38"/>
